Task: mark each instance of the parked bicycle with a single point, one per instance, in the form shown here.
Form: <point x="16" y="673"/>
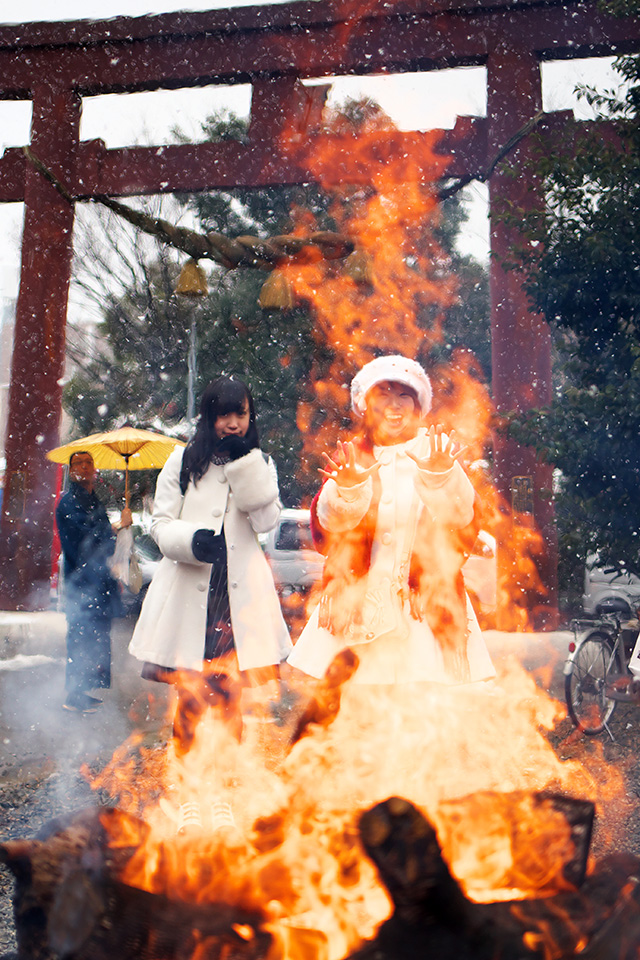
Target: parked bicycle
<point x="597" y="674"/>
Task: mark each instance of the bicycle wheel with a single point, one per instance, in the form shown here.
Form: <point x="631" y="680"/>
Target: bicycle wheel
<point x="584" y="685"/>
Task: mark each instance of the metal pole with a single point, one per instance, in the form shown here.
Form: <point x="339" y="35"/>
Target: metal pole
<point x="191" y="373"/>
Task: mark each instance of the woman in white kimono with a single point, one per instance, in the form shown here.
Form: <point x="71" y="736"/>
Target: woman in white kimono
<point x="396" y="518"/>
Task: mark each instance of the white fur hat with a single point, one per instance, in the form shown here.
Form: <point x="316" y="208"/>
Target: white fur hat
<point x="396" y="368"/>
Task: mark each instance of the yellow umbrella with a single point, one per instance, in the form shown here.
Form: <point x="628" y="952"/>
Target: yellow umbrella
<point x="125" y="449"/>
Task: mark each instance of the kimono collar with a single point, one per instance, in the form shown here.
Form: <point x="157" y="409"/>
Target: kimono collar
<point x="416" y="443"/>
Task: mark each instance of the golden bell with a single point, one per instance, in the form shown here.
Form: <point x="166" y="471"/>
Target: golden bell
<point x="359" y="267"/>
<point x="192" y="281"/>
<point x="276" y="293"/>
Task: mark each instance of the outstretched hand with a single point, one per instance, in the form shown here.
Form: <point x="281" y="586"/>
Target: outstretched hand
<point x="442" y="451"/>
<point x="343" y="469"/>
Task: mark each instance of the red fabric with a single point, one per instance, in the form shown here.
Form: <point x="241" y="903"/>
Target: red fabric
<point x="56" y="547"/>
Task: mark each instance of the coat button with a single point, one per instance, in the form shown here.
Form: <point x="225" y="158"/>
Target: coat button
<point x="202" y="587"/>
<point x="216" y="512"/>
<point x="222" y="479"/>
<point x="386" y="539"/>
<point x="232" y="546"/>
<point x="387" y="498"/>
<point x="234" y="583"/>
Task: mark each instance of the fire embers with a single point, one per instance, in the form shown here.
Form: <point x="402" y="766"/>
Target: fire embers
<point x="70" y="903"/>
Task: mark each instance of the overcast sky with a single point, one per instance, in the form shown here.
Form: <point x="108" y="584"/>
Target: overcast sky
<point x="34" y="10"/>
<point x="414" y="101"/>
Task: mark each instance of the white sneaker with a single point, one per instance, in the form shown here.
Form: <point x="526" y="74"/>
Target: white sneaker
<point x="222" y="816"/>
<point x="189" y="819"/>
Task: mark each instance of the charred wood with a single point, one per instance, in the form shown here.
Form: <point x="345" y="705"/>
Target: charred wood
<point x="434" y="919"/>
<point x="323" y="706"/>
<point x="69" y="903"/>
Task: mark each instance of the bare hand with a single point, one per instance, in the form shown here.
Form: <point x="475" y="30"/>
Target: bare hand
<point x="343" y="469"/>
<point x="442" y="452"/>
<point x="126" y="518"/>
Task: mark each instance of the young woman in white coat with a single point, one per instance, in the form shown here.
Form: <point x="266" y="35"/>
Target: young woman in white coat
<point x="212" y="607"/>
<point x="395" y="518"/>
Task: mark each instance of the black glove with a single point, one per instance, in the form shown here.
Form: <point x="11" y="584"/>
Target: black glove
<point x="236" y="446"/>
<point x="209" y="547"/>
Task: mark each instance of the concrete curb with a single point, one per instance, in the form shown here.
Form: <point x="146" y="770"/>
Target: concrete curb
<point x="44" y="632"/>
<point x="27" y="634"/>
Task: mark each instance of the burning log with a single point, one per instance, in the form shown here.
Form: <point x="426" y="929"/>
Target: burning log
<point x="322" y="708"/>
<point x="149" y="926"/>
<point x="547" y="837"/>
<point x="70" y="904"/>
<point x="433" y="918"/>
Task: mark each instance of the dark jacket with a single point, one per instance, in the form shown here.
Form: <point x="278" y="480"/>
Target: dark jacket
<point x="88" y="541"/>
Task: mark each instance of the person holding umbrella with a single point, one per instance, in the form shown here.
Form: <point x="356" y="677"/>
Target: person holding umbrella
<point x="92" y="595"/>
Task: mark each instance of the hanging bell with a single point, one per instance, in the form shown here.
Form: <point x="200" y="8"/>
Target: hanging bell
<point x="192" y="281"/>
<point x="359" y="267"/>
<point x="276" y="293"/>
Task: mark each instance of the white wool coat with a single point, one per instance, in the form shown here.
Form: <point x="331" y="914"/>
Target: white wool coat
<point x="242" y="496"/>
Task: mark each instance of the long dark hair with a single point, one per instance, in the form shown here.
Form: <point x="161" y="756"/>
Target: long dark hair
<point x="223" y="396"/>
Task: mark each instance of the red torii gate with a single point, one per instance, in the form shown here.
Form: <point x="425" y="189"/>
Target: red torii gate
<point x="271" y="47"/>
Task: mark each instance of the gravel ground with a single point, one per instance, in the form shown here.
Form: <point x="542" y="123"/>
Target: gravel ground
<point x="34" y="788"/>
<point x="42" y="747"/>
<point x="617" y="825"/>
<point x="29" y="799"/>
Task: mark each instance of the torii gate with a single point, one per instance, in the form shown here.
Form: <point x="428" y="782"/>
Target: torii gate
<point x="270" y="47"/>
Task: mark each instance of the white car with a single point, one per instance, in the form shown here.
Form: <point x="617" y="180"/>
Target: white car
<point x="609" y="586"/>
<point x="297" y="565"/>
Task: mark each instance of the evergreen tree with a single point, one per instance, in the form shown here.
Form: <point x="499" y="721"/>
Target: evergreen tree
<point x="582" y="260"/>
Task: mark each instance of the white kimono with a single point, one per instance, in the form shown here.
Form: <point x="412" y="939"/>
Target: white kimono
<point x="408" y="652"/>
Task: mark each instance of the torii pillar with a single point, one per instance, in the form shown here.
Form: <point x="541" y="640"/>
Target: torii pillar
<point x="39" y="352"/>
<point x="521" y="351"/>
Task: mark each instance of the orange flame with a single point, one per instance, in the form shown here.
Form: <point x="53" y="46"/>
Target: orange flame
<point x="469" y="757"/>
<point x="384" y="200"/>
<point x="461" y="754"/>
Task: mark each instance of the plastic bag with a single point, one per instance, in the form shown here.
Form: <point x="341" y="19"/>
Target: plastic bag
<point x="135" y="574"/>
<point x="124" y="563"/>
